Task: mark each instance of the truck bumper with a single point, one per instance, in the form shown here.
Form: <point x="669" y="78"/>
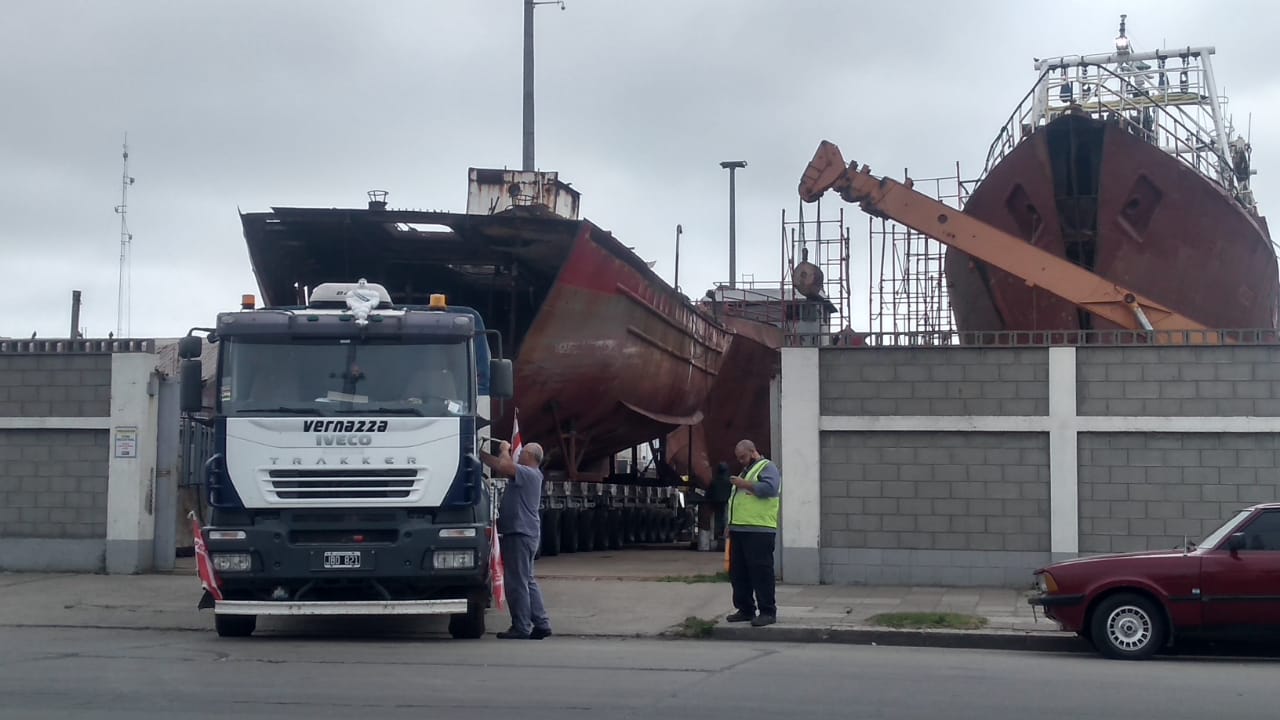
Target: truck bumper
<point x="405" y="607"/>
<point x="390" y="567"/>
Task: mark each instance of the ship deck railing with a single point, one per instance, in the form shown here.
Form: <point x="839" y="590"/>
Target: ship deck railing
<point x="1173" y="111"/>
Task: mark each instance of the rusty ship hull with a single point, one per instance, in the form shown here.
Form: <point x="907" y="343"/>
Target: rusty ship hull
<point x="1098" y="194"/>
<point x="737" y="408"/>
<point x="607" y="355"/>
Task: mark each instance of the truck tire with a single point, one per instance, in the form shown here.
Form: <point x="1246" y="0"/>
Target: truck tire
<point x="569" y="530"/>
<point x="235" y="625"/>
<point x="469" y="625"/>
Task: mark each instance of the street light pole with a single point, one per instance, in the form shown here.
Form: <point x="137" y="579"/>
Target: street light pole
<point x="732" y="166"/>
<point x="679" y="230"/>
<point x="528" y="77"/>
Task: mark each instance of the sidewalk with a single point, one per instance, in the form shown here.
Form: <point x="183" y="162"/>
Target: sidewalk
<point x="632" y="593"/>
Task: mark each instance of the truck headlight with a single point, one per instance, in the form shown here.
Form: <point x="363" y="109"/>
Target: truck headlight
<point x="454" y="559"/>
<point x="232" y="562"/>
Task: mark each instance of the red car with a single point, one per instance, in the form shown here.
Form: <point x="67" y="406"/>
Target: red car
<point x="1132" y="605"/>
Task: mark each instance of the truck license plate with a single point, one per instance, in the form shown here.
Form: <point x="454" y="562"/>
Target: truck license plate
<point x="341" y="560"/>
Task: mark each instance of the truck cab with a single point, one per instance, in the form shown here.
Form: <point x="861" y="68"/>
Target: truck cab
<point x="345" y="477"/>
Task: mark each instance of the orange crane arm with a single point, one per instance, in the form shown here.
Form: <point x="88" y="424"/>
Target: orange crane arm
<point x="883" y="197"/>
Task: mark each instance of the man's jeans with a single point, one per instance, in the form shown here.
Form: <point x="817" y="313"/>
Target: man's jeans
<point x="524" y="599"/>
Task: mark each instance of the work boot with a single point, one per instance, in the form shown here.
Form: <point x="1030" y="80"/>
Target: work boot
<point x="512" y="634"/>
<point x="740" y="617"/>
<point x="762" y="620"/>
<point x="539" y="633"/>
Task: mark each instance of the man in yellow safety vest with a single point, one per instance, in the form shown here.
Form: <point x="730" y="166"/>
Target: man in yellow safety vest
<point x="753" y="531"/>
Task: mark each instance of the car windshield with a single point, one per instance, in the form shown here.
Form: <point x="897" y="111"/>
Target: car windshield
<point x="344" y="376"/>
<point x="1216" y="536"/>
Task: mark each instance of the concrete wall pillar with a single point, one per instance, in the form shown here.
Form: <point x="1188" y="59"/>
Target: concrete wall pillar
<point x="1064" y="455"/>
<point x="800" y="462"/>
<point x="132" y="466"/>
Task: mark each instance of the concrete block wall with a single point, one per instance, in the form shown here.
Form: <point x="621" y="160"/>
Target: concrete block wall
<point x="972" y="509"/>
<point x="1140" y="491"/>
<point x="960" y="381"/>
<point x="71" y="499"/>
<point x="53" y="484"/>
<point x="55" y="385"/>
<point x="903" y="453"/>
<point x="1180" y="381"/>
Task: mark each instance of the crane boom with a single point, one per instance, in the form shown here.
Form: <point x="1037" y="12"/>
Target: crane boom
<point x="1089" y="291"/>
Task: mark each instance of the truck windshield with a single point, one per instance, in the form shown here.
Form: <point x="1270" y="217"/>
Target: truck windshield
<point x="332" y="377"/>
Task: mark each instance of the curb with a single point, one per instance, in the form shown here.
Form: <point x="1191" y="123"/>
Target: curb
<point x="970" y="639"/>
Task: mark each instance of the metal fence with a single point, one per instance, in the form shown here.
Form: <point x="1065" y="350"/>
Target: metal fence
<point x="856" y="340"/>
<point x="64" y="345"/>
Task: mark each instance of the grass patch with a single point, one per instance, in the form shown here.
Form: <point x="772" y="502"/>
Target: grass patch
<point x="716" y="578"/>
<point x="696" y="627"/>
<point x="928" y="620"/>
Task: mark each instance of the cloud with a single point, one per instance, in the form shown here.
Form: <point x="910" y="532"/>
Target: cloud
<point x="245" y="105"/>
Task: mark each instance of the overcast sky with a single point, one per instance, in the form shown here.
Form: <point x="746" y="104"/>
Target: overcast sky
<point x="243" y="105"/>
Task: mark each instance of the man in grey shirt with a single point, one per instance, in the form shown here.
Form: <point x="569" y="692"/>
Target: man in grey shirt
<point x="520" y="532"/>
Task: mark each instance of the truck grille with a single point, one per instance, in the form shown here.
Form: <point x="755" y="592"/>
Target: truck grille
<point x="304" y="485"/>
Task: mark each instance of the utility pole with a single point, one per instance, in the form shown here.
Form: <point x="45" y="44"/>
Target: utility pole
<point x="732" y="166"/>
<point x="676" y="282"/>
<point x="126" y="249"/>
<point x="529" y="5"/>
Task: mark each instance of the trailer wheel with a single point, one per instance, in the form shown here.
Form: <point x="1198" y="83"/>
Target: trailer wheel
<point x="586" y="530"/>
<point x="603" y="528"/>
<point x="235" y="625"/>
<point x="569" y="530"/>
<point x="617" y="529"/>
<point x="629" y="526"/>
<point x="551" y="533"/>
<point x="469" y="625"/>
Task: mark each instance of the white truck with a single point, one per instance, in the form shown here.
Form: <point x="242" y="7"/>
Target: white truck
<point x="344" y="478"/>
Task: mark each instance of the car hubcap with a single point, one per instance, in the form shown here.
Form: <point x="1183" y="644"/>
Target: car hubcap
<point x="1129" y="628"/>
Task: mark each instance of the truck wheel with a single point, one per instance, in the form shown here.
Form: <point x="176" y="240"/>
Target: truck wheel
<point x="235" y="625"/>
<point x="569" y="530"/>
<point x="551" y="534"/>
<point x="469" y="625"/>
<point x="1127" y="627"/>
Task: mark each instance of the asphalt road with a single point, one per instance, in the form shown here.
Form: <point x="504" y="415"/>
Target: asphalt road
<point x="78" y="673"/>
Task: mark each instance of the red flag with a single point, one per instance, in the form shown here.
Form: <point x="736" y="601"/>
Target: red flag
<point x="496" y="571"/>
<point x="204" y="566"/>
<point x="516" y="442"/>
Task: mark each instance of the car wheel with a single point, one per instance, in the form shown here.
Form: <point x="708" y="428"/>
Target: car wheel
<point x="1127" y="627"/>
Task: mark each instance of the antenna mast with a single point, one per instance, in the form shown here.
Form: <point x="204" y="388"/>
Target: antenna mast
<point x="123" y="296"/>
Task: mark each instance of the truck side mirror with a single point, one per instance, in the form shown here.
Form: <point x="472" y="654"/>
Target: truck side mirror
<point x="502" y="380"/>
<point x="1235" y="542"/>
<point x="191" y="392"/>
<point x="190" y="347"/>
